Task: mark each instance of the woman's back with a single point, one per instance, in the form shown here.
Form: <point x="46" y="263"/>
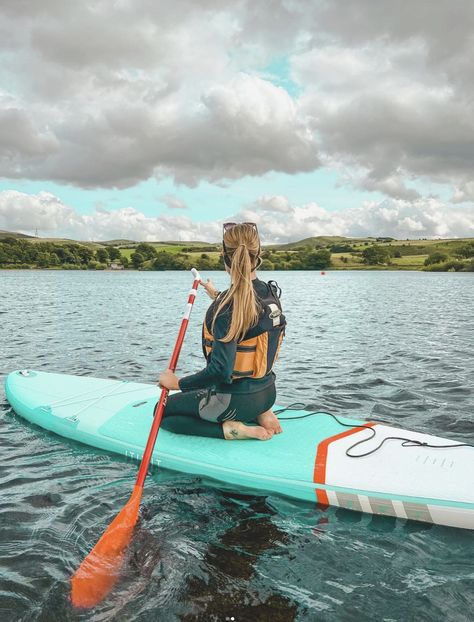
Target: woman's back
<point x="242" y="334"/>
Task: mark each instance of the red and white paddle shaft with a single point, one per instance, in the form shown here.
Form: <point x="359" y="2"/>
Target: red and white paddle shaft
<point x="160" y="406"/>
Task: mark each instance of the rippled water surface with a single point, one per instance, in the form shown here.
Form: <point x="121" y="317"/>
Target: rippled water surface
<point x="389" y="345"/>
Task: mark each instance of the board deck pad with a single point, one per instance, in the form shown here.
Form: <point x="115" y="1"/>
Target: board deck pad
<point x="308" y="461"/>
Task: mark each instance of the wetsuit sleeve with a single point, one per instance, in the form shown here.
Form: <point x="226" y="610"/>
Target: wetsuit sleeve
<point x="220" y="364"/>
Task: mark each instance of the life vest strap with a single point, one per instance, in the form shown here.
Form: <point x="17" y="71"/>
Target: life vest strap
<point x="242" y="374"/>
<point x="209" y="343"/>
<point x="246" y="348"/>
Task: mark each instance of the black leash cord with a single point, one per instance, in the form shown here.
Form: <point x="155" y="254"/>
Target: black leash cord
<point x="406" y="442"/>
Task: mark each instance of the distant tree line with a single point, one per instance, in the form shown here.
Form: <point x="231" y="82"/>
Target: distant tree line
<point x="21" y="253"/>
<point x="18" y="253"/>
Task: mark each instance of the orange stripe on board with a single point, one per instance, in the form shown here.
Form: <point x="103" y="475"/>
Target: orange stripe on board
<point x="321" y="461"/>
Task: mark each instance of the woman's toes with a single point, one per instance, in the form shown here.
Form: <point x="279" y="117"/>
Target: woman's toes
<point x="262" y="433"/>
<point x="256" y="431"/>
<point x="270" y="422"/>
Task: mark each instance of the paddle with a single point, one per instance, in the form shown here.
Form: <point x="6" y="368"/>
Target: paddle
<point x="99" y="571"/>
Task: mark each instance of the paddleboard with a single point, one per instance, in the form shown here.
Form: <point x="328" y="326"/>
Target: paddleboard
<point x="307" y="461"/>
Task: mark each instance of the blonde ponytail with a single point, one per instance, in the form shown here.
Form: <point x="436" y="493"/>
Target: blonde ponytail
<point x="242" y="246"/>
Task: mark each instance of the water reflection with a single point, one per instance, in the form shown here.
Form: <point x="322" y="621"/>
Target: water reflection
<point x="229" y="590"/>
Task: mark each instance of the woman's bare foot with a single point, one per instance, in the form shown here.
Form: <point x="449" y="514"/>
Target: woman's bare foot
<point x="269" y="421"/>
<point x="238" y="431"/>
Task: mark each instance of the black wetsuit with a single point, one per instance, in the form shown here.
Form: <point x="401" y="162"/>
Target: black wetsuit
<point x="211" y="396"/>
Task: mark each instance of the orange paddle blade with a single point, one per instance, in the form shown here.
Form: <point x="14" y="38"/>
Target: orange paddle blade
<point x="99" y="571"/>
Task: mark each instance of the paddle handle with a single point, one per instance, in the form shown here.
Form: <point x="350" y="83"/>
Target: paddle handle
<point x="160" y="406"/>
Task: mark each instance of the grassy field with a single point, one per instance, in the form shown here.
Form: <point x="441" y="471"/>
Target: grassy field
<point x="407" y="262"/>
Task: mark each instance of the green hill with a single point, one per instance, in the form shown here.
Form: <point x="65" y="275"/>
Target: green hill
<point x="319" y="241"/>
<point x="117" y="242"/>
<point x="14" y="234"/>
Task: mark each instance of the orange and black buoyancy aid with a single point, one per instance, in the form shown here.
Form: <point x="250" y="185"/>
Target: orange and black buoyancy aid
<point x="258" y="350"/>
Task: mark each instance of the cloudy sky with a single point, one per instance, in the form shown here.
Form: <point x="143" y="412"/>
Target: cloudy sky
<point x="160" y="119"/>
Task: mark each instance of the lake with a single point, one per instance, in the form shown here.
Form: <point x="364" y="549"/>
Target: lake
<point x="395" y="346"/>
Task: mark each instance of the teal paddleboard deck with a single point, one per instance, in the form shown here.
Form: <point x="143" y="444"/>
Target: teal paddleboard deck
<point x="308" y="461"/>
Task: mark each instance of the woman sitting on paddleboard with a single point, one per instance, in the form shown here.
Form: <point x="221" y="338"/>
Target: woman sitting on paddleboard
<point x="242" y="333"/>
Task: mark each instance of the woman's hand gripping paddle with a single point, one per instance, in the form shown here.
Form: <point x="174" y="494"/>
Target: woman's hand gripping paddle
<point x="99" y="571"/>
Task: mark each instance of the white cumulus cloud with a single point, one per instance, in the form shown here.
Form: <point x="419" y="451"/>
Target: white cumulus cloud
<point x="277" y="219"/>
<point x="398" y="218"/>
<point x="25" y="213"/>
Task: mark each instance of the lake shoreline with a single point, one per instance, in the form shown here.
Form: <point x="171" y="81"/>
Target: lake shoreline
<point x="359" y="268"/>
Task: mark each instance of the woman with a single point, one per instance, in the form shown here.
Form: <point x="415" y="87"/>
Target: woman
<point x="242" y="332"/>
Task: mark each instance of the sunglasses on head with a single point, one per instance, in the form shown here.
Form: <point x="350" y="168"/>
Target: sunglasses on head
<point x="228" y="225"/>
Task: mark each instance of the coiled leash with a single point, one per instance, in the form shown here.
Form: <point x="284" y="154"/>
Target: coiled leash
<point x="406" y="442"/>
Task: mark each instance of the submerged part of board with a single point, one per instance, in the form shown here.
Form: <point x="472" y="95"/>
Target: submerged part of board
<point x="308" y="461"/>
